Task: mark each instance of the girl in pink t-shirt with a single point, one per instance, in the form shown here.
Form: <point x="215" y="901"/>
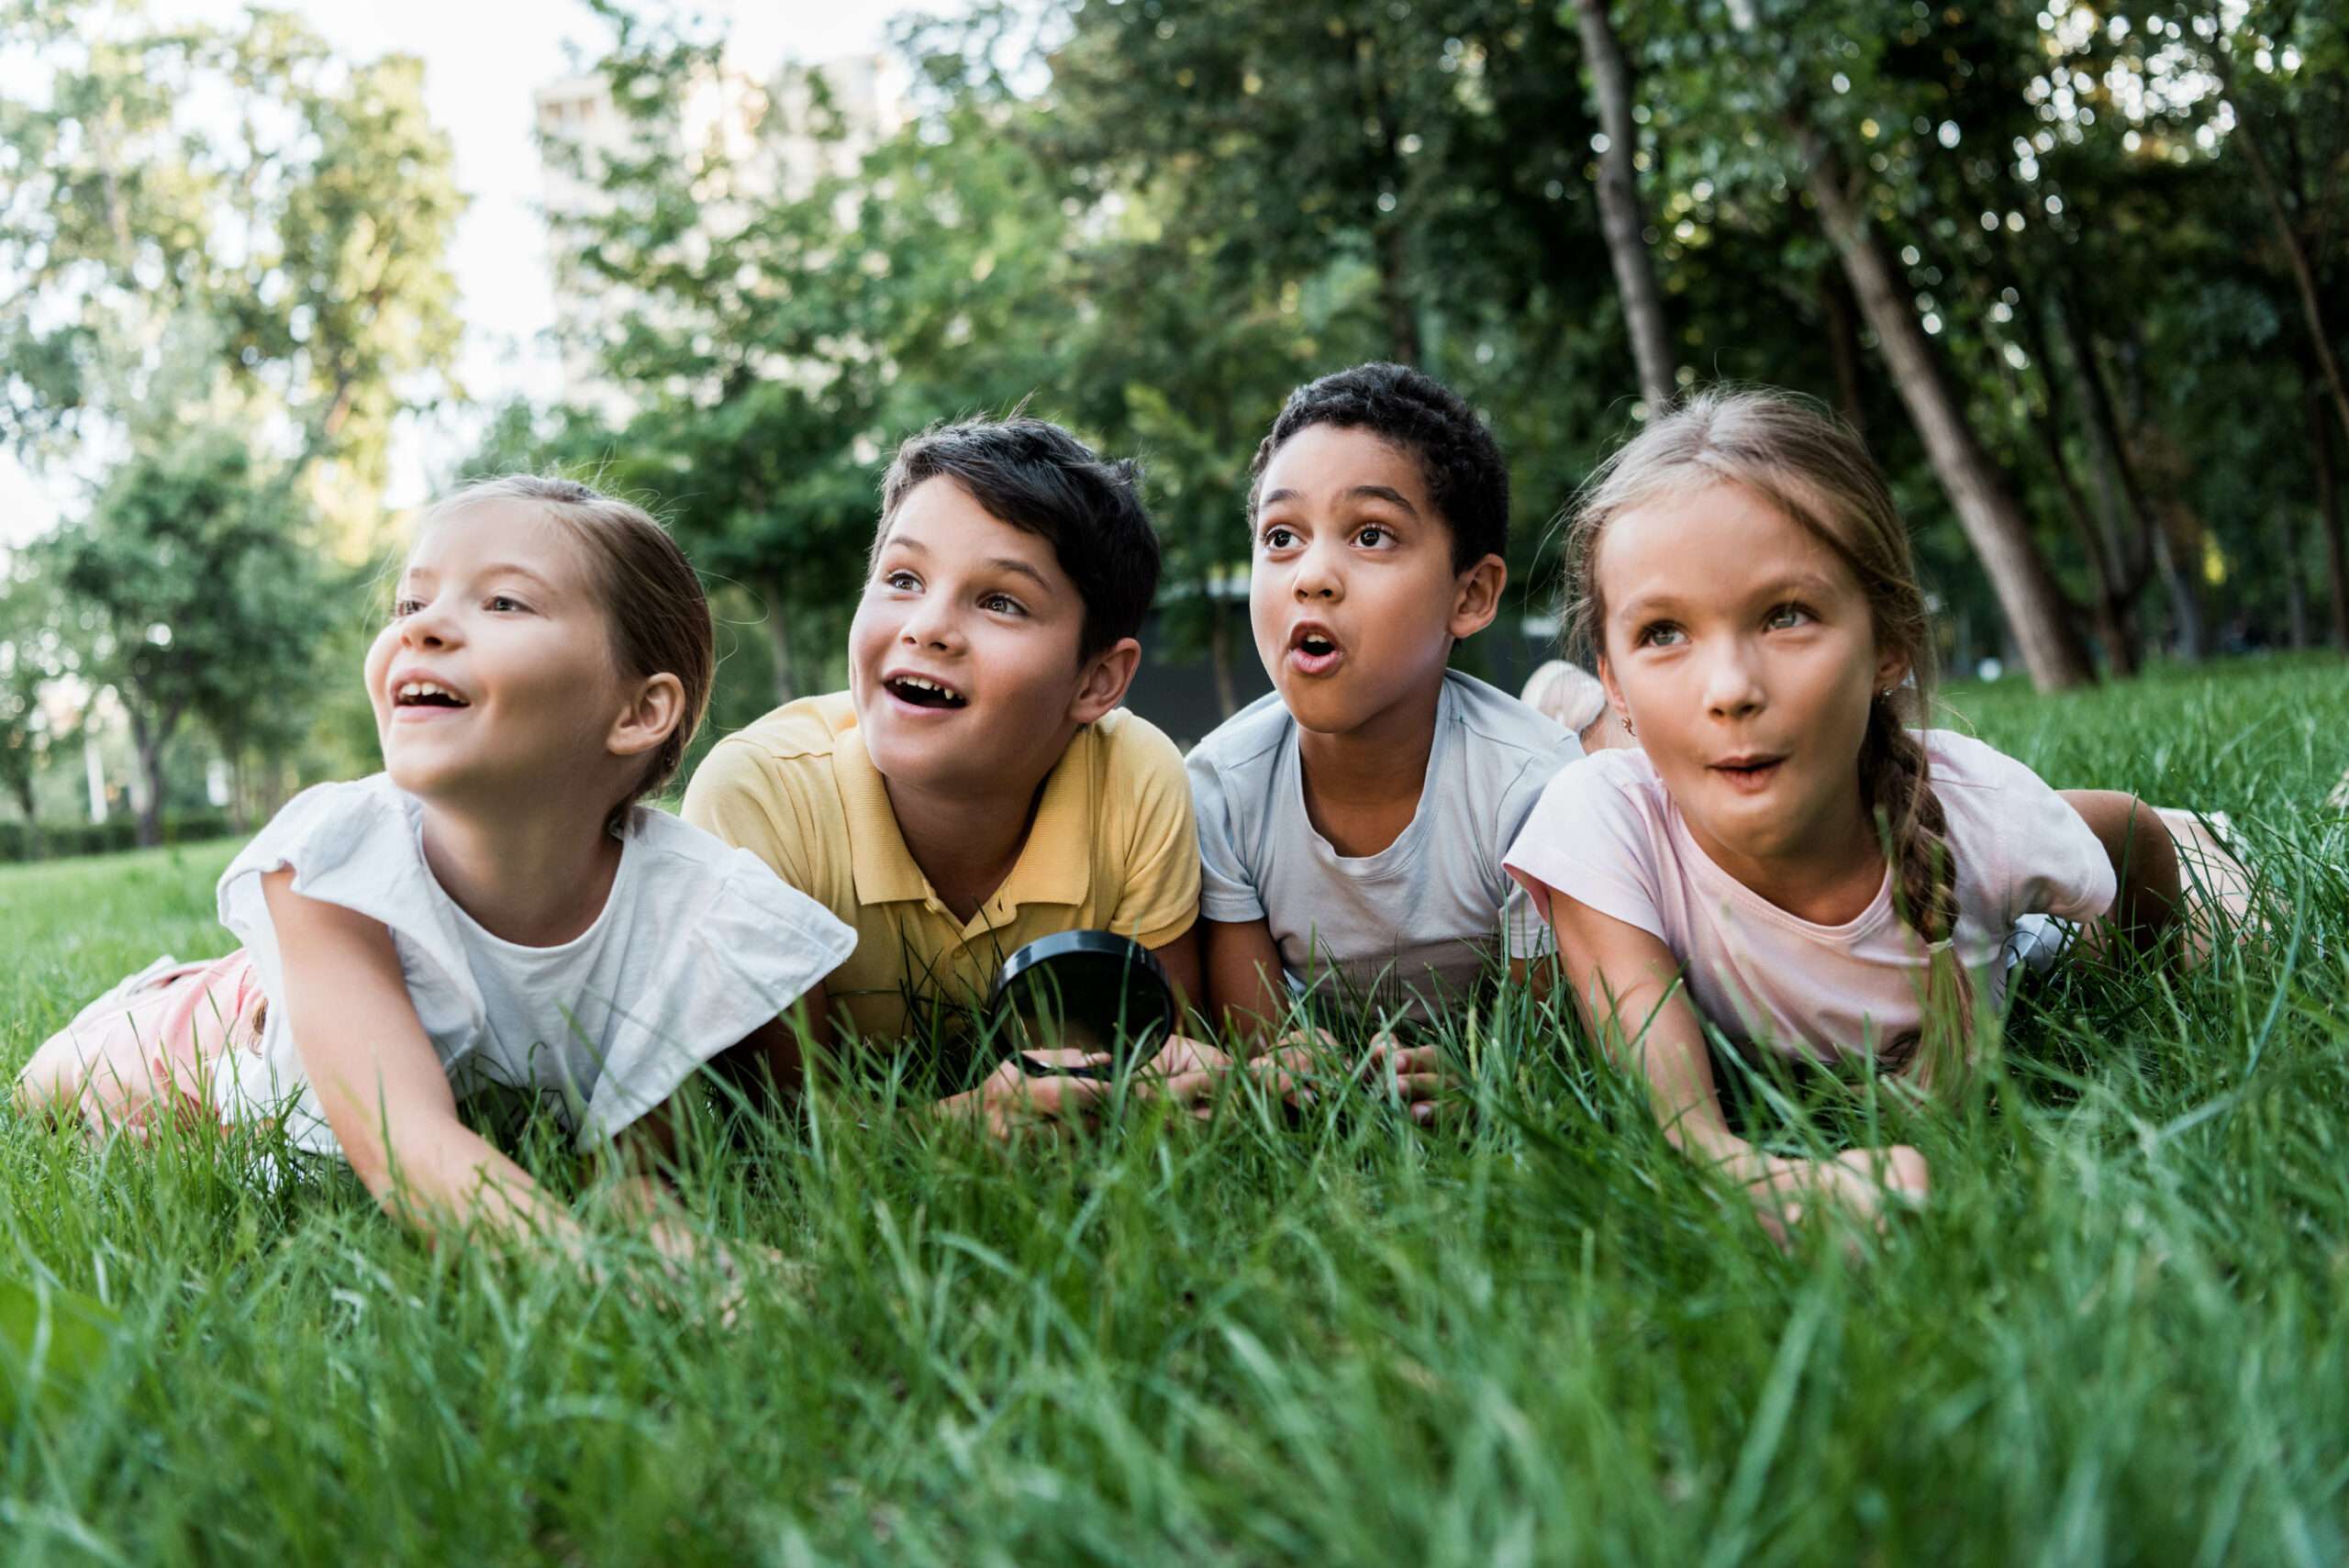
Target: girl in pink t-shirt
<point x="1827" y="880"/>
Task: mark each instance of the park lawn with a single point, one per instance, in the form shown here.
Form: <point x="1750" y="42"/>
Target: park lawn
<point x="2120" y="1331"/>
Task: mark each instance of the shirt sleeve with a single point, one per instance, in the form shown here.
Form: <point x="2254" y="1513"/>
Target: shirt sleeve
<point x="750" y="946"/>
<point x="2025" y="847"/>
<point x="1160" y="897"/>
<point x="747" y="797"/>
<point x="1227" y="890"/>
<point x="1587" y="838"/>
<point x="1527" y="934"/>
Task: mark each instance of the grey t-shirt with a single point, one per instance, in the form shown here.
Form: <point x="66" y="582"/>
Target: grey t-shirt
<point x="1411" y="926"/>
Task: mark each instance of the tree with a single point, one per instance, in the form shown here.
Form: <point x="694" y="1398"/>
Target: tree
<point x="30" y="660"/>
<point x="1618" y="204"/>
<point x="191" y="596"/>
<point x="298" y="251"/>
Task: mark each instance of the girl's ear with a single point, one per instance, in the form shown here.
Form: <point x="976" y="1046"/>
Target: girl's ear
<point x="1614" y="703"/>
<point x="652" y="712"/>
<point x="1106" y="676"/>
<point x="1892" y="667"/>
<point x="1477" y="596"/>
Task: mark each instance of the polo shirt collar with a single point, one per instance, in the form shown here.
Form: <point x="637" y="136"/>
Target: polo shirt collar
<point x="1055" y="865"/>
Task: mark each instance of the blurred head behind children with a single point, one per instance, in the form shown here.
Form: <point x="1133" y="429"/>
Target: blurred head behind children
<point x="547" y="643"/>
<point x="1009" y="582"/>
<point x="1380" y="506"/>
<point x="1745" y="585"/>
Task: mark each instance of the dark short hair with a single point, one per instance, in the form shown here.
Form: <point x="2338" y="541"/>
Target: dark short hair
<point x="1035" y="475"/>
<point x="1460" y="461"/>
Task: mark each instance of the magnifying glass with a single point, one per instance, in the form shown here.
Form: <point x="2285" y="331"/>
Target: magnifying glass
<point x="1092" y="991"/>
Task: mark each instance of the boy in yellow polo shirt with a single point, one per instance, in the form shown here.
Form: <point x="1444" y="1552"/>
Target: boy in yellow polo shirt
<point x="977" y="786"/>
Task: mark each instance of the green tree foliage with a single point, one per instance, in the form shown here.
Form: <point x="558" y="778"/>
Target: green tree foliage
<point x="188" y="590"/>
<point x="225" y="257"/>
<point x="2019" y="245"/>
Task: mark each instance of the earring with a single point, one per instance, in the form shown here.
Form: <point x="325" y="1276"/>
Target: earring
<point x="1627" y="728"/>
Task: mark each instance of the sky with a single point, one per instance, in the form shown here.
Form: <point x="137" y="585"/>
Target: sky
<point x="483" y="59"/>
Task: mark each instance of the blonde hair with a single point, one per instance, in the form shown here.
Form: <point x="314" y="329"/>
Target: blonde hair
<point x="1564" y="691"/>
<point x="1811" y="466"/>
<point x="652" y="600"/>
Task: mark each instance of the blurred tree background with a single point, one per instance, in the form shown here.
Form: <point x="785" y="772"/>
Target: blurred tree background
<point x="2075" y="271"/>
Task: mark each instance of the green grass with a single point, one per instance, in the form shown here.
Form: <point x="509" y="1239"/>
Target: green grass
<point x="2120" y="1333"/>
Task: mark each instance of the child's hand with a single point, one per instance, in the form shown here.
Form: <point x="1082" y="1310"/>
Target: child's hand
<point x="1413" y="1074"/>
<point x="1012" y="1096"/>
<point x="1868" y="1185"/>
<point x="1182" y="1054"/>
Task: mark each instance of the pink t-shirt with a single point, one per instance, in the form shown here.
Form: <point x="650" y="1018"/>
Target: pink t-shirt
<point x="1606" y="834"/>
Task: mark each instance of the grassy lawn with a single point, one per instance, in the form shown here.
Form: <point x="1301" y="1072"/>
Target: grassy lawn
<point x="2120" y="1333"/>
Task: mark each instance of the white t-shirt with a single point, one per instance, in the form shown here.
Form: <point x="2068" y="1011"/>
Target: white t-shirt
<point x="697" y="945"/>
<point x="1408" y="928"/>
<point x="1607" y="835"/>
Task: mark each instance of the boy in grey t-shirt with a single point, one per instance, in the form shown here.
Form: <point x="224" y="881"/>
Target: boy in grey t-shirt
<point x="1413" y="925"/>
<point x="1352" y="825"/>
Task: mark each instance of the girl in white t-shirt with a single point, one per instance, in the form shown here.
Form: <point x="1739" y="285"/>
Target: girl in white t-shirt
<point x="494" y="908"/>
<point x="1824" y="879"/>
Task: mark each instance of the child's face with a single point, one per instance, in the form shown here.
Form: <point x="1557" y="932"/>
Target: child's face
<point x="1351" y="593"/>
<point x="1742" y="649"/>
<point x="963" y="657"/>
<point x="494" y="679"/>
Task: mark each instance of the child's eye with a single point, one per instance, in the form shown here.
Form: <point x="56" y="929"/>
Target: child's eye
<point x="1786" y="617"/>
<point x="1003" y="604"/>
<point x="503" y="603"/>
<point x="904" y="581"/>
<point x="1660" y="634"/>
<point x="402" y="608"/>
<point x="1280" y="536"/>
<point x="1374" y="535"/>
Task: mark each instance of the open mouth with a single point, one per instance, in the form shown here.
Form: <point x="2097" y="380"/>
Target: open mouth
<point x="1749" y="772"/>
<point x="1312" y="650"/>
<point x="922" y="692"/>
<point x="427" y="693"/>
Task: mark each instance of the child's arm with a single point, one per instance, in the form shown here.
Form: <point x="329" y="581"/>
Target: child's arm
<point x="2145" y="862"/>
<point x="379" y="1081"/>
<point x="1243" y="975"/>
<point x="1625" y="981"/>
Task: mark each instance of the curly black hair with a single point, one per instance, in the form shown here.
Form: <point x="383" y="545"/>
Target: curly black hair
<point x="1460" y="461"/>
<point x="1035" y="475"/>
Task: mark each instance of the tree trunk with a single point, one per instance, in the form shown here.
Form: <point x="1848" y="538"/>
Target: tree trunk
<point x="1843" y="348"/>
<point x="2328" y="519"/>
<point x="786" y="674"/>
<point x="2129" y="549"/>
<point x="2111" y="609"/>
<point x="23" y="790"/>
<point x="2035" y="609"/>
<point x="1395" y="294"/>
<point x="1618" y="207"/>
<point x="1227" y="695"/>
<point x="2294" y="255"/>
<point x="146" y="741"/>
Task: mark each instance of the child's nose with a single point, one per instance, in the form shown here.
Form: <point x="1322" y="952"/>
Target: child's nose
<point x="1733" y="685"/>
<point x="1317" y="577"/>
<point x="931" y="625"/>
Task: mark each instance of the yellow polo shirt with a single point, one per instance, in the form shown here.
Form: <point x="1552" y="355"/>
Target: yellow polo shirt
<point x="1112" y="848"/>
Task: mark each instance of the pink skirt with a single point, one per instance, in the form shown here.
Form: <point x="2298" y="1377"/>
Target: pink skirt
<point x="151" y="1047"/>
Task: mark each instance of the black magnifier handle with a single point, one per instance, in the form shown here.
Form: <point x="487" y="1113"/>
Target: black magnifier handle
<point x="1035" y="1069"/>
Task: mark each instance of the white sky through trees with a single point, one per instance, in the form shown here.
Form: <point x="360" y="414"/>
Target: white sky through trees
<point x="481" y="63"/>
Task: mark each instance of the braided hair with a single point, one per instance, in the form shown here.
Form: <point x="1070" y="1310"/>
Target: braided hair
<point x="1809" y="465"/>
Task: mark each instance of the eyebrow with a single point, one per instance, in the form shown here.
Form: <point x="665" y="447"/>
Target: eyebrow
<point x="1805" y="585"/>
<point x="1386" y="492"/>
<point x="1000" y="563"/>
<point x="494" y="568"/>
